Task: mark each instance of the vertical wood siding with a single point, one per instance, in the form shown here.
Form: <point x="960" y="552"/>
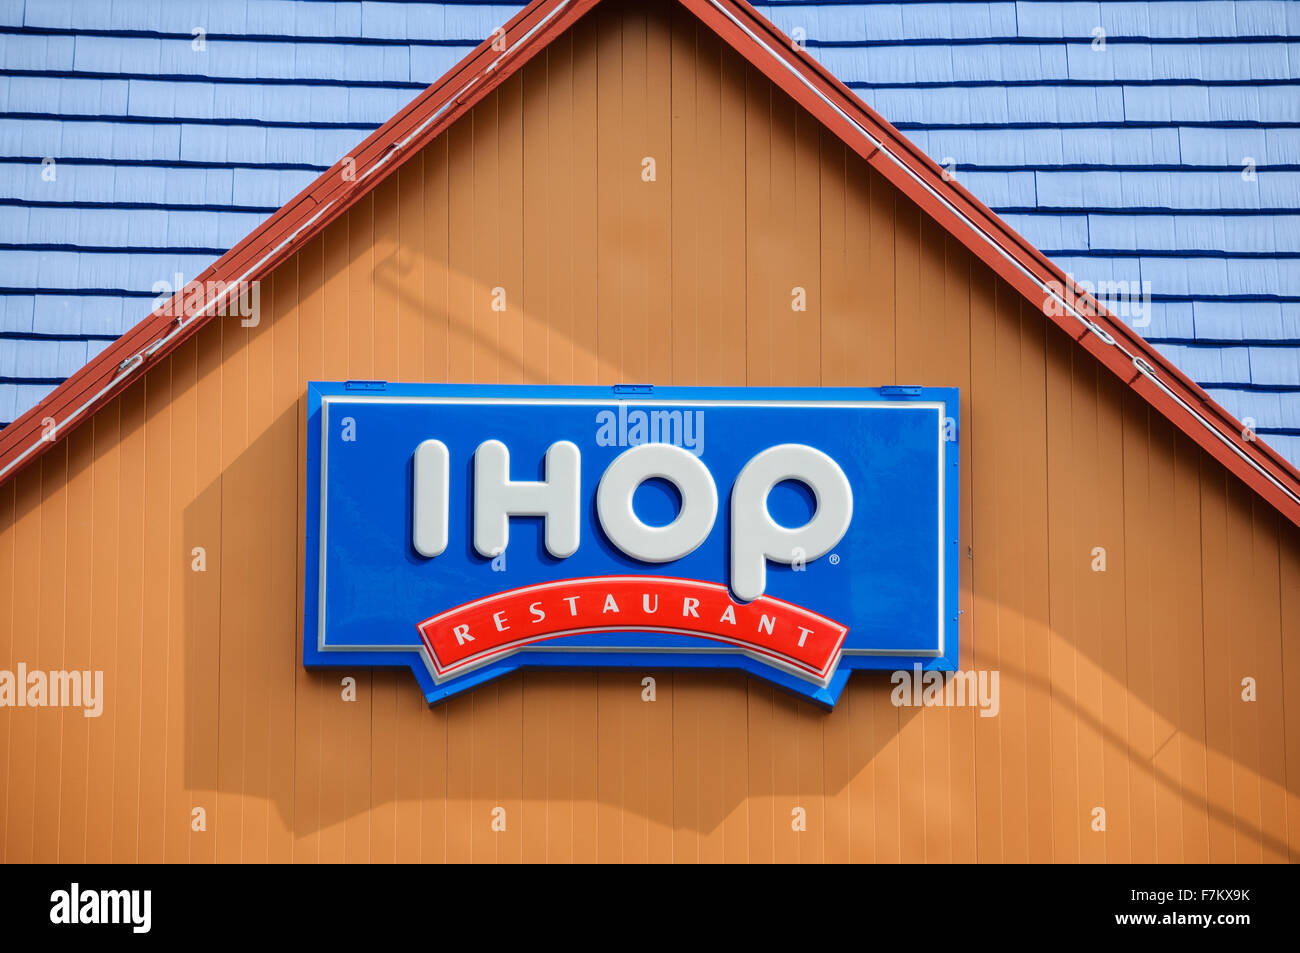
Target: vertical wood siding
<point x="1119" y="689"/>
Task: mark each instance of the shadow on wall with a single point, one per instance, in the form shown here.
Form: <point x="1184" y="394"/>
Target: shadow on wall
<point x="714" y="768"/>
<point x="581" y="755"/>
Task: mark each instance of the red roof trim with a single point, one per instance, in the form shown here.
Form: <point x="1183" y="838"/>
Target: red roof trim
<point x="779" y="59"/>
<point x="1018" y="262"/>
<point x="286" y="231"/>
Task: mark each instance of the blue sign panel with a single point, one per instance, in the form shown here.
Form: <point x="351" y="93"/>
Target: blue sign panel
<point x="466" y="531"/>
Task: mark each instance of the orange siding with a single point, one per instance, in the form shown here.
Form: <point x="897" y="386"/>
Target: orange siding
<point x="1120" y="690"/>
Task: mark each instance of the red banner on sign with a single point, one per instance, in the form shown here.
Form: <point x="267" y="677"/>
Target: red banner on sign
<point x="781" y="633"/>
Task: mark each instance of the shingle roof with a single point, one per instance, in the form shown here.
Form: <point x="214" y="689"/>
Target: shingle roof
<point x="1123" y="163"/>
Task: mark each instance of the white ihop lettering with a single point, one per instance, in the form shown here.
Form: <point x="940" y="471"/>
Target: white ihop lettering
<point x="756" y="538"/>
<point x="497" y="498"/>
<point x="432" y="498"/>
<point x="657" y="544"/>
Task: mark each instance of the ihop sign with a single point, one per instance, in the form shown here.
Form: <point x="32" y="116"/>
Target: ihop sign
<point x="465" y="531"/>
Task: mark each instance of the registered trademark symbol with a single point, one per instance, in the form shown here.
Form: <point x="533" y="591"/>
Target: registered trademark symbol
<point x="835" y="559"/>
